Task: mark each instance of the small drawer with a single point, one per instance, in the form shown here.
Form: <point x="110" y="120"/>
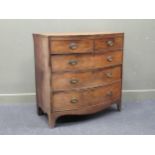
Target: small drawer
<point x="61" y="63"/>
<point x="109" y="43"/>
<point x="79" y="99"/>
<point x="67" y="81"/>
<point x="108" y="59"/>
<point x="71" y="46"/>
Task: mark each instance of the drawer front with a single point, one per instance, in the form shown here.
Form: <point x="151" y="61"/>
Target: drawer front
<point x="79" y="99"/>
<point x="86" y="61"/>
<point x="71" y="46"/>
<point x="109" y="43"/>
<point x="66" y="81"/>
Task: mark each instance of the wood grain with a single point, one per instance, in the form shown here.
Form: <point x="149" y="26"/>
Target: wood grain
<point x="64" y="46"/>
<point x="88" y="109"/>
<point x="77" y="73"/>
<point x="86" y="79"/>
<point x="60" y="63"/>
<point x="101" y="45"/>
<point x="87" y="35"/>
<point x="62" y="100"/>
<point x="42" y="74"/>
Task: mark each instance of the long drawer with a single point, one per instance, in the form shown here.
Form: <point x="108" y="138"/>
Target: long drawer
<point x="69" y="80"/>
<point x="76" y="62"/>
<point x="70" y="100"/>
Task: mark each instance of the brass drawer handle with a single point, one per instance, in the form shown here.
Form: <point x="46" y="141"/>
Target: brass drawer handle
<point x="74" y="81"/>
<point x="110" y="94"/>
<point x="72" y="62"/>
<point x="109" y="58"/>
<point x="74" y="100"/>
<point x="110" y="43"/>
<point x="73" y="46"/>
<point x="109" y="75"/>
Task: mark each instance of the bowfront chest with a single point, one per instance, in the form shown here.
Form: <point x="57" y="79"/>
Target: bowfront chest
<point x="77" y="74"/>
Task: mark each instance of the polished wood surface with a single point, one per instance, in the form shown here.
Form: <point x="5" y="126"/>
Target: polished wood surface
<point x="109" y="43"/>
<point x="42" y="74"/>
<point x="88" y="109"/>
<point x="85" y="79"/>
<point x="77" y="34"/>
<point x="86" y="97"/>
<point x="71" y="46"/>
<point x="85" y="61"/>
<point x="77" y="74"/>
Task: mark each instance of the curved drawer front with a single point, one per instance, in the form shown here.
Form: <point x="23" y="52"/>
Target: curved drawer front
<point x="78" y="99"/>
<point x="69" y="80"/>
<point x="62" y="63"/>
<point x="108" y="43"/>
<point x="71" y="46"/>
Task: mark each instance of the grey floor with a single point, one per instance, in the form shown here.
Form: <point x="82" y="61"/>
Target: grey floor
<point x="135" y="118"/>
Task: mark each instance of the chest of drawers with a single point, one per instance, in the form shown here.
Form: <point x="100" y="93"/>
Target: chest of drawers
<point x="77" y="74"/>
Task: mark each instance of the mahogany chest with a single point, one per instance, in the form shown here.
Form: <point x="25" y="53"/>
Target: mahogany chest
<point x="77" y="74"/>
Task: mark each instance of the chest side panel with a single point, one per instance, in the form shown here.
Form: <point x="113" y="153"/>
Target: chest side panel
<point x="42" y="72"/>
